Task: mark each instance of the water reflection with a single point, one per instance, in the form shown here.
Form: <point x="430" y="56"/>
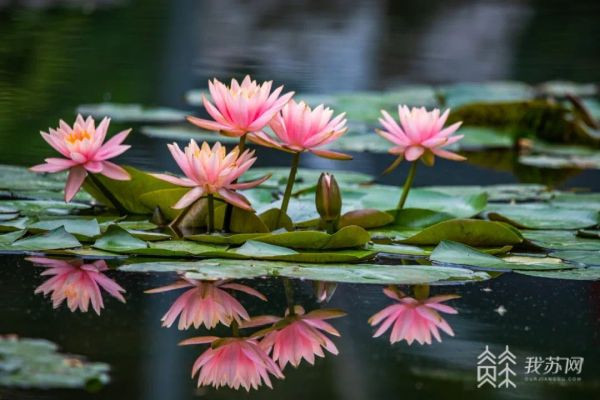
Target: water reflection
<point x="324" y="291"/>
<point x="233" y="362"/>
<point x="77" y="282"/>
<point x="207" y="303"/>
<point x="414" y="318"/>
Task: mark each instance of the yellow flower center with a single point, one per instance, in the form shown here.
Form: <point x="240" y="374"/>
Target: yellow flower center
<point x="245" y="92"/>
<point x="77" y="136"/>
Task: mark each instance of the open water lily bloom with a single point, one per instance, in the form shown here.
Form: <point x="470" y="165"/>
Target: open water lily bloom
<point x="211" y="171"/>
<point x="241" y="108"/>
<point x="413" y="320"/>
<point x="301" y="336"/>
<point x="421" y="134"/>
<point x="233" y="362"/>
<point x="299" y="128"/>
<point x="77" y="282"/>
<point x="84" y="151"/>
<point x="206" y="303"/>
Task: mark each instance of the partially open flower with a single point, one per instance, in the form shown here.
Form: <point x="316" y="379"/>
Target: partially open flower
<point x="76" y="282"/>
<point x="85" y="151"/>
<point x="240" y="109"/>
<point x="412" y="319"/>
<point x="301" y="336"/>
<point x="328" y="198"/>
<point x="206" y="303"/>
<point x="211" y="171"/>
<point x="298" y="129"/>
<point x="233" y="362"/>
<point x="421" y="134"/>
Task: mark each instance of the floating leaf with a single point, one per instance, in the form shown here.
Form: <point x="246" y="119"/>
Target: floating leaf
<point x="578" y="274"/>
<point x="506" y="192"/>
<point x="132" y="112"/>
<point x="588" y="201"/>
<point x="270" y="217"/>
<point x="186" y="132"/>
<point x="84" y="227"/>
<point x="591" y="258"/>
<point x="563" y="88"/>
<point x="368" y="218"/>
<point x="164" y="199"/>
<point x="416" y="218"/>
<point x="448" y="252"/>
<point x="213" y="269"/>
<point x="346" y="237"/>
<point x="14" y="224"/>
<point x="589" y="233"/>
<point x="58" y="238"/>
<point x="561" y="240"/>
<point x="542" y="216"/>
<point x="8" y="238"/>
<point x="472" y="232"/>
<point x="43" y="207"/>
<point x="36" y="363"/>
<point x="118" y="240"/>
<point x="174" y="248"/>
<point x="402" y="249"/>
<point x="218" y="238"/>
<point x="463" y="93"/>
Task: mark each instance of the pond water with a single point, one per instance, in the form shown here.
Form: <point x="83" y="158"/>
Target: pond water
<point x="54" y="58"/>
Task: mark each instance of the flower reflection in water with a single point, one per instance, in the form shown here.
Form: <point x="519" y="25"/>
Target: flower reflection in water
<point x="324" y="291"/>
<point x="301" y="335"/>
<point x="413" y="319"/>
<point x="233" y="362"/>
<point x="206" y="303"/>
<point x="77" y="282"/>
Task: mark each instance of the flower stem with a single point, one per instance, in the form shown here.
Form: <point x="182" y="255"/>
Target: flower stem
<point x="228" y="207"/>
<point x="106" y="193"/>
<point x="289" y="295"/>
<point x="407" y="184"/>
<point x="211" y="213"/>
<point x="421" y="292"/>
<point x="288" y="188"/>
<point x="235" y="329"/>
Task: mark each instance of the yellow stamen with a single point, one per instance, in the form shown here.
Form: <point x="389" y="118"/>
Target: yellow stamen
<point x="77" y="136"/>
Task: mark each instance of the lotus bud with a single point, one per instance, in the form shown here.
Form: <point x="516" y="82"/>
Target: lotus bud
<point x="328" y="198"/>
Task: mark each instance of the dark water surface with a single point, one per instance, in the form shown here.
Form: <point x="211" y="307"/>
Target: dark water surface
<point x="151" y="52"/>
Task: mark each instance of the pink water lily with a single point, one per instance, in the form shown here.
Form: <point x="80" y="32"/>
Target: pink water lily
<point x="412" y="319"/>
<point x="206" y="303"/>
<point x="421" y="134"/>
<point x="301" y="336"/>
<point x="233" y="362"/>
<point x="85" y="151"/>
<point x="298" y="128"/>
<point x="241" y="108"/>
<point x="77" y="282"/>
<point x="211" y="171"/>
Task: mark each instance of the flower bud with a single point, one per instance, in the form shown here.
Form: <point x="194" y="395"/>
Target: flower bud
<point x="328" y="198"/>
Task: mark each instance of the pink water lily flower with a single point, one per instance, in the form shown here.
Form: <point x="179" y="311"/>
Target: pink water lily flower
<point x="233" y="362"/>
<point x="85" y="151"/>
<point x="299" y="128"/>
<point x="77" y="282"/>
<point x="421" y="133"/>
<point x="301" y="336"/>
<point x="239" y="109"/>
<point x="206" y="303"/>
<point x="412" y="319"/>
<point x="211" y="171"/>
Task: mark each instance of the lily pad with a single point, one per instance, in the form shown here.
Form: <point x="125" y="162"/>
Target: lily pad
<point x="542" y="216"/>
<point x="472" y="232"/>
<point x="368" y="218"/>
<point x="118" y="240"/>
<point x="230" y="239"/>
<point x="577" y="274"/>
<point x="186" y="132"/>
<point x="43" y="207"/>
<point x="14" y="224"/>
<point x="346" y="237"/>
<point x="132" y="112"/>
<point x="175" y="248"/>
<point x="561" y="240"/>
<point x="213" y="269"/>
<point x="463" y="93"/>
<point x="36" y="363"/>
<point x="8" y="238"/>
<point x="505" y="192"/>
<point x="448" y="252"/>
<point x="58" y="238"/>
<point x="83" y="227"/>
<point x="416" y="218"/>
<point x="590" y="258"/>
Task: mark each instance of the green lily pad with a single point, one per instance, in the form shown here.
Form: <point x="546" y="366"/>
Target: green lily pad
<point x="556" y="161"/>
<point x="43" y="207"/>
<point x="83" y="227"/>
<point x="37" y="364"/>
<point x="589" y="233"/>
<point x="368" y="218"/>
<point x="463" y="93"/>
<point x="577" y="274"/>
<point x="346" y="237"/>
<point x="400" y="249"/>
<point x="542" y="216"/>
<point x="218" y="238"/>
<point x="479" y="138"/>
<point x="563" y="88"/>
<point x="448" y="252"/>
<point x="132" y="112"/>
<point x="505" y="192"/>
<point x="588" y="201"/>
<point x="58" y="238"/>
<point x="560" y="240"/>
<point x="14" y="224"/>
<point x="305" y="178"/>
<point x="164" y="199"/>
<point x="590" y="258"/>
<point x="8" y="238"/>
<point x="16" y="178"/>
<point x="269" y="218"/>
<point x="175" y="248"/>
<point x="416" y="218"/>
<point x="118" y="240"/>
<point x="213" y="269"/>
<point x="472" y="232"/>
<point x="128" y="193"/>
